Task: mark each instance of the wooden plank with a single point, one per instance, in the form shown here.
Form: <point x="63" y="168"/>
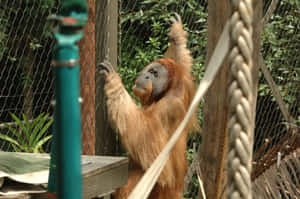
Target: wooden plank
<point x="105" y="181"/>
<point x="20" y="196"/>
<point x="101" y="175"/>
<point x="101" y="164"/>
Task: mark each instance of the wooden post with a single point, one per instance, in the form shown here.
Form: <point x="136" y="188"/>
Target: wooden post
<point x="106" y="48"/>
<point x="257" y="30"/>
<point x="87" y="83"/>
<point x="214" y="139"/>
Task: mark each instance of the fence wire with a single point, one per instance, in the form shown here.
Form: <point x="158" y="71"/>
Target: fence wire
<point x="280" y="45"/>
<point x="276" y="161"/>
<point x="26" y="77"/>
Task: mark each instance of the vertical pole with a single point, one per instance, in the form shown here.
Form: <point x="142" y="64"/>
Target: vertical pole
<point x="256" y="35"/>
<point x="72" y="18"/>
<point x="87" y="82"/>
<point x="106" y="48"/>
<point x="68" y="125"/>
<point x="214" y="139"/>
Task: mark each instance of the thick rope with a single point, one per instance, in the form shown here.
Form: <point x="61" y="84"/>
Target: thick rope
<point x="241" y="100"/>
<point x="145" y="185"/>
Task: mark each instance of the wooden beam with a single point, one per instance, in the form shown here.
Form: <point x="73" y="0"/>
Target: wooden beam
<point x="275" y="91"/>
<point x="256" y="36"/>
<point x="106" y="48"/>
<point x="287" y="116"/>
<point x="214" y="139"/>
<point x="269" y="12"/>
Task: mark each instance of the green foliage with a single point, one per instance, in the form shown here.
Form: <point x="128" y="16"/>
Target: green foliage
<point x="144" y="38"/>
<point x="145" y="34"/>
<point x="280" y="44"/>
<point x="28" y="135"/>
<point x="27" y="21"/>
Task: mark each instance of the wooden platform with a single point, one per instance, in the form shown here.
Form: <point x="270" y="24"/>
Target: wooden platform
<point x="101" y="176"/>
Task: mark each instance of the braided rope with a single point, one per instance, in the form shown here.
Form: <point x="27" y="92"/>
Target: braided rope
<point x="240" y="95"/>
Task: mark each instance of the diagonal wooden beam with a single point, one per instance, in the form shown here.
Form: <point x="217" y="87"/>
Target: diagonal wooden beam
<point x="269" y="12"/>
<point x="275" y="91"/>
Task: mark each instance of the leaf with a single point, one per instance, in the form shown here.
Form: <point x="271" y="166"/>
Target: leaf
<point x="25" y="148"/>
<point x="42" y="131"/>
<point x="40" y="143"/>
<point x="16" y="148"/>
<point x="37" y="128"/>
<point x="20" y="124"/>
<point x="14" y="131"/>
<point x="33" y="124"/>
<point x="9" y="139"/>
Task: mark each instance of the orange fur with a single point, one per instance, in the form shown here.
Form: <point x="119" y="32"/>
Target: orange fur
<point x="145" y="131"/>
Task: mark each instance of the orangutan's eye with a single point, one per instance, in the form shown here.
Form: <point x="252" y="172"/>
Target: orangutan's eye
<point x="153" y="72"/>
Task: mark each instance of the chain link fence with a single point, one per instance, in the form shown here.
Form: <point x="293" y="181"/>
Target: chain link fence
<point x="26" y="78"/>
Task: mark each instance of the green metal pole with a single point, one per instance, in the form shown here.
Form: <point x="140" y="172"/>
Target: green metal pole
<point x="68" y="125"/>
<point x="65" y="159"/>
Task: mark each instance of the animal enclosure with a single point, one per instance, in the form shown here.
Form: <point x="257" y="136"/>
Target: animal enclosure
<point x="131" y="33"/>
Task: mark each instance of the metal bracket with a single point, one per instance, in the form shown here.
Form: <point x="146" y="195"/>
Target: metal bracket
<point x="65" y="63"/>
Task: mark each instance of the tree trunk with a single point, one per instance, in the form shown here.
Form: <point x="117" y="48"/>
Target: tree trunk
<point x="27" y="83"/>
<point x="87" y="82"/>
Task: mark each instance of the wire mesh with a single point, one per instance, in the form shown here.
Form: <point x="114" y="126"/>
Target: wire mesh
<point x="26" y="75"/>
<point x="26" y="78"/>
<point x="279" y="49"/>
<point x="277" y="135"/>
<point x="25" y="54"/>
